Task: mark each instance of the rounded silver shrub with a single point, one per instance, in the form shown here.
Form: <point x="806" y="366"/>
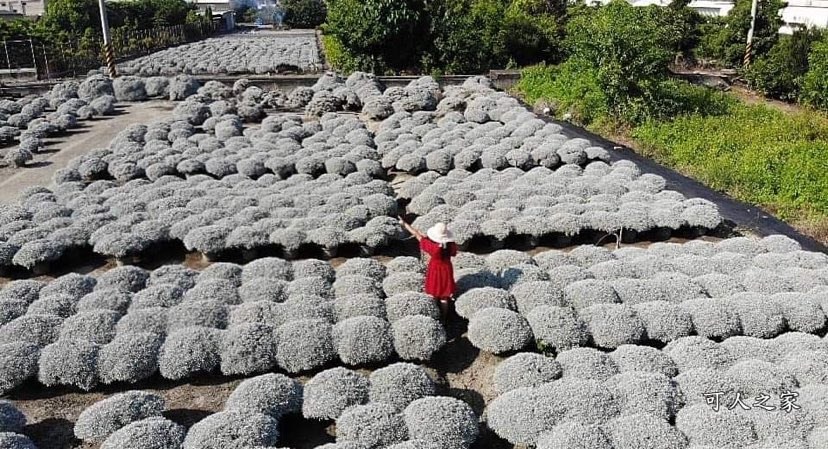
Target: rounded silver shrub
<point x="214" y="289"/>
<point x="363" y="339"/>
<point x="105" y="417"/>
<point x="150" y="433"/>
<point x="522" y="414"/>
<point x="305" y="344"/>
<point x="397" y="283"/>
<point x="410" y="303"/>
<point x="449" y="422"/>
<point x="418" y="337"/>
<point x="129" y="358"/>
<point x="271" y="394"/>
<point x="373" y="426"/>
<point x="263" y="289"/>
<point x="248" y="348"/>
<point x="574" y="435"/>
<point x="151" y="319"/>
<point x="313" y="268"/>
<point x="643" y="358"/>
<point x="208" y="313"/>
<point x="698" y="352"/>
<point x="532" y="294"/>
<point x="557" y="328"/>
<point x="583" y="400"/>
<point x="69" y="362"/>
<point x="18" y="362"/>
<point x="233" y="429"/>
<point x="399" y="384"/>
<point x="612" y="325"/>
<point x="268" y="267"/>
<point x="188" y="351"/>
<point x="589" y="292"/>
<point x="126" y="278"/>
<point x="476" y="299"/>
<point x="359" y="305"/>
<point x="587" y="363"/>
<point x="641" y="429"/>
<point x="499" y="330"/>
<point x="713" y="318"/>
<point x="330" y="392"/>
<point x="525" y="369"/>
<point x="703" y="426"/>
<point x="664" y="321"/>
<point x="105" y="299"/>
<point x="650" y="393"/>
<point x="97" y="326"/>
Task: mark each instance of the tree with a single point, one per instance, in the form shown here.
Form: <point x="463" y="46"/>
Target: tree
<point x="384" y="34"/>
<point x="630" y="47"/>
<point x="466" y="35"/>
<point x="533" y="30"/>
<point x="74" y="16"/>
<point x="780" y="73"/>
<point x="815" y="82"/>
<point x="727" y="42"/>
<point x="304" y="13"/>
<point x="686" y="24"/>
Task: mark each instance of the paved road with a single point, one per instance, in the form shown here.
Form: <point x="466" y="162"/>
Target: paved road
<point x="96" y="134"/>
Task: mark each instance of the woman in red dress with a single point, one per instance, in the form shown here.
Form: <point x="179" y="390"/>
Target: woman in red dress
<point x="438" y="243"/>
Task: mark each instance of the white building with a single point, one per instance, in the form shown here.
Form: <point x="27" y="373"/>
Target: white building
<point x="809" y="13"/>
<point x="711" y="8"/>
<point x="24" y="7"/>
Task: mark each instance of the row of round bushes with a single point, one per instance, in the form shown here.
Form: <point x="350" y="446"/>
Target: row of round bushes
<point x="282" y="146"/>
<point x="566" y="202"/>
<point x="554" y="402"/>
<point x="73" y="331"/>
<point x="50" y="114"/>
<point x="207" y="215"/>
<point x="471" y="127"/>
<point x="247" y="54"/>
<point x="591" y="314"/>
<point x="393" y="405"/>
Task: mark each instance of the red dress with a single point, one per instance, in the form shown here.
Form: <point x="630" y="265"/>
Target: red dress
<point x="439" y="276"/>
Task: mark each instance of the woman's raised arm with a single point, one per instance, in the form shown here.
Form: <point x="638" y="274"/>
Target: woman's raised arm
<point x="417" y="234"/>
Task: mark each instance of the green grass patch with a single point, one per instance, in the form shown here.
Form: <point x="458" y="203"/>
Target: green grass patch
<point x="754" y="152"/>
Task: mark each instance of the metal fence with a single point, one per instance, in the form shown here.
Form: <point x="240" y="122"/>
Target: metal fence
<point x="32" y="58"/>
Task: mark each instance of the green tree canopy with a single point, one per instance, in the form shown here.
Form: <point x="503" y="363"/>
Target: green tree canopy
<point x="385" y="33"/>
<point x="727" y="41"/>
<point x="630" y="47"/>
<point x="304" y="13"/>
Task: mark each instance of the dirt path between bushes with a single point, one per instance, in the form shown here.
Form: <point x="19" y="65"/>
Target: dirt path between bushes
<point x="95" y="133"/>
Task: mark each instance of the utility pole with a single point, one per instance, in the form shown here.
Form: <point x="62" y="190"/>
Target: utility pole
<point x="749" y="48"/>
<point x="109" y="52"/>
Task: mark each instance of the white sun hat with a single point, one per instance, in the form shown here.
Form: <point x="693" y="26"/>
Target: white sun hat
<point x="439" y="233"/>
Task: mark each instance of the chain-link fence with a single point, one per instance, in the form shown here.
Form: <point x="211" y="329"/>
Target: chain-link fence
<point x="36" y="58"/>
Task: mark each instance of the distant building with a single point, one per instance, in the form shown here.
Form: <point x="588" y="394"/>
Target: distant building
<point x="798" y="13"/>
<point x="711" y="8"/>
<point x="23" y="7"/>
<point x="807" y="13"/>
<point x="215" y="5"/>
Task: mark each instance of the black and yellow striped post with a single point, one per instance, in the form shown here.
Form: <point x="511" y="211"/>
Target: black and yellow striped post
<point x="749" y="46"/>
<point x="748" y="54"/>
<point x="109" y="52"/>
